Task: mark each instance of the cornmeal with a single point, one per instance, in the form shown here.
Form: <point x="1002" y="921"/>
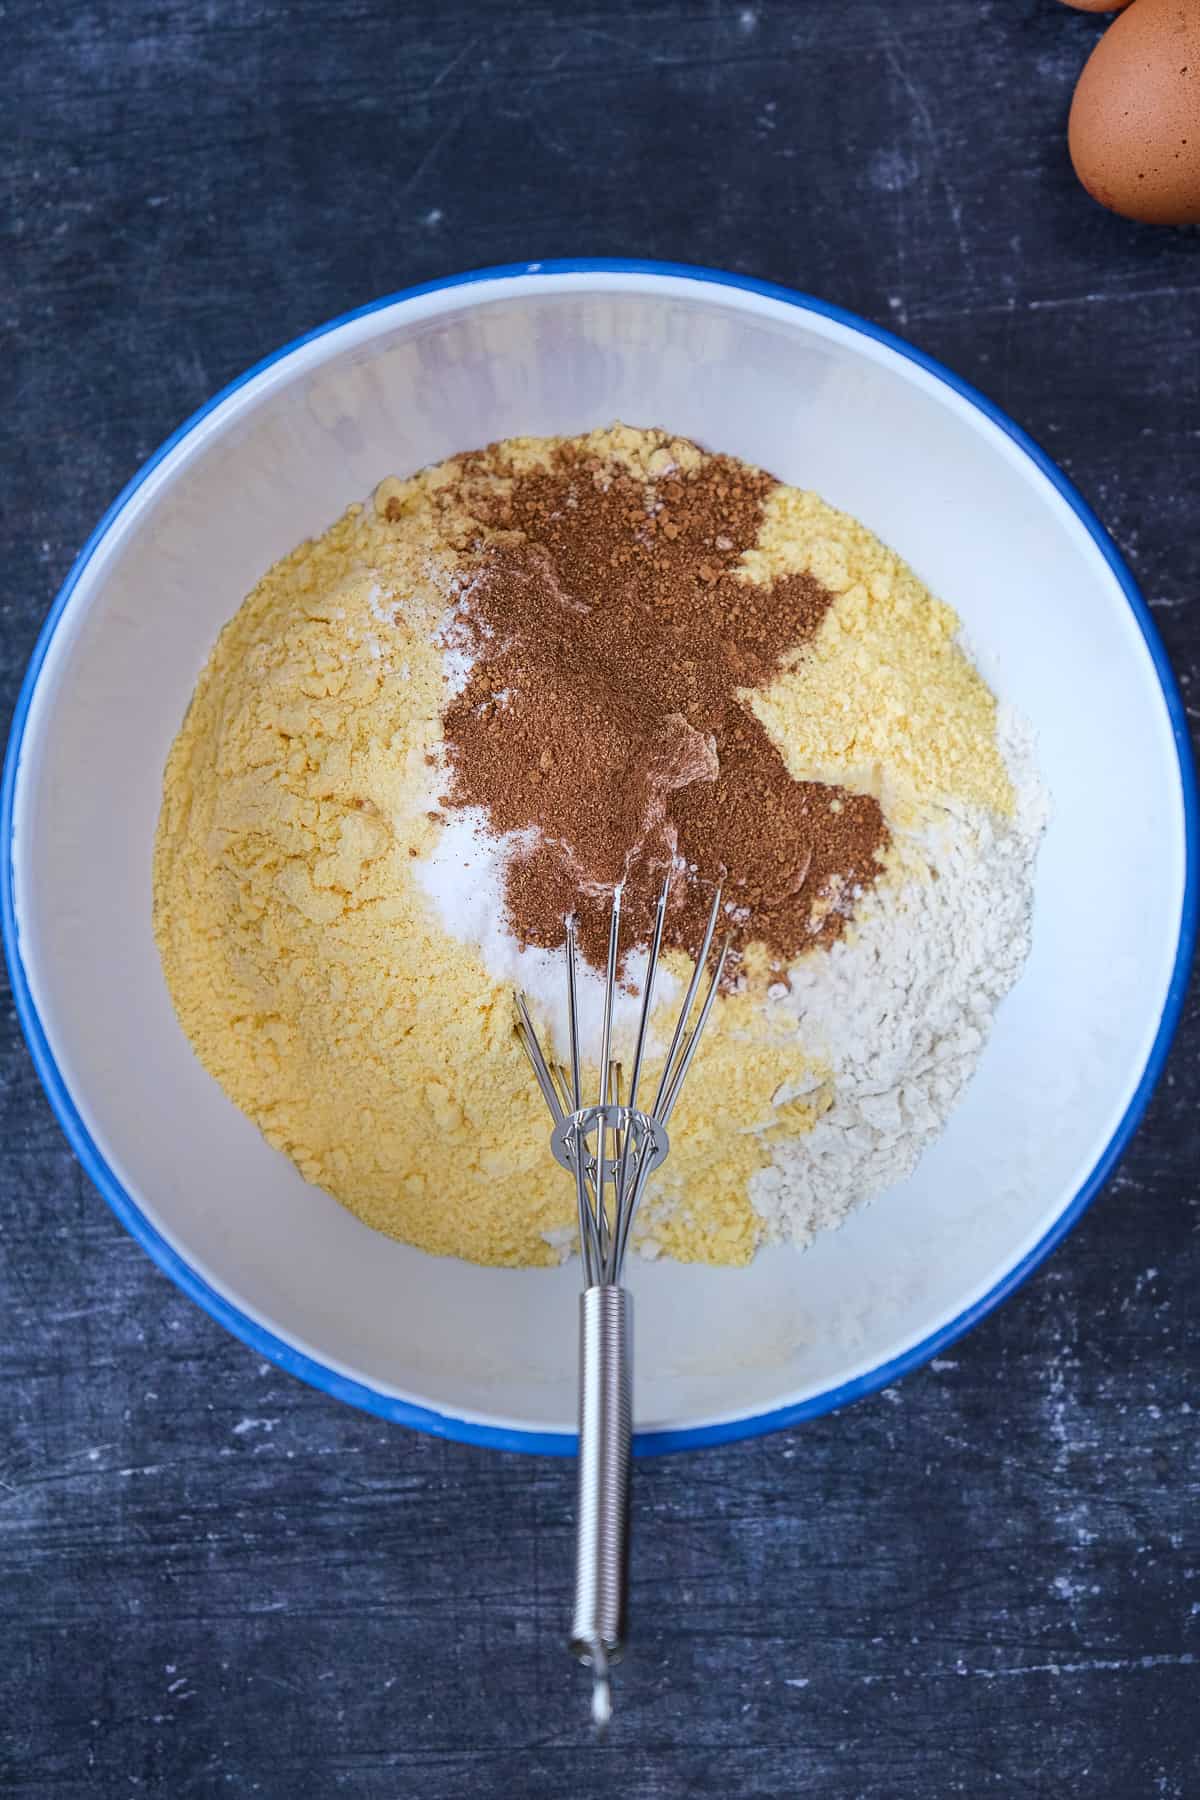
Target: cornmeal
<point x="884" y="702"/>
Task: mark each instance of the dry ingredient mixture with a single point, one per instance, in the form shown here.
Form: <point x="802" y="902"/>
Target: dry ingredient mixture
<point x="503" y="686"/>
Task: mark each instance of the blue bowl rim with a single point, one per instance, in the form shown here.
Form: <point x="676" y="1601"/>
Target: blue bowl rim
<point x="471" y="1431"/>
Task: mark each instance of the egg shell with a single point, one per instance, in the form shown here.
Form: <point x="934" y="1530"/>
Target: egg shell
<point x="1134" y="130"/>
<point x="1097" y="5"/>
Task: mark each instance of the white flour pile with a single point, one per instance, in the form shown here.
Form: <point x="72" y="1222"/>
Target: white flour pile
<point x="901" y="1009"/>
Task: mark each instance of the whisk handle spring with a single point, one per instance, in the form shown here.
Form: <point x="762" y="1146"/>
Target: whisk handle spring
<point x="602" y="1511"/>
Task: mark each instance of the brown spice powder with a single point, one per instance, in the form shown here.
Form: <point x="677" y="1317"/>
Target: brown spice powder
<point x="611" y="635"/>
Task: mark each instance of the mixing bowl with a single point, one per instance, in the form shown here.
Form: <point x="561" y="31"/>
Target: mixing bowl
<point x="823" y="400"/>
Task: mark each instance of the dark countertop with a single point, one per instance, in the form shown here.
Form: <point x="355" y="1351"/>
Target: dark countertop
<point x="215" y="1580"/>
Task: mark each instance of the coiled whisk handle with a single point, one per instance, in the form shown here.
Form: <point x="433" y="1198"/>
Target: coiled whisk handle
<point x="602" y="1512"/>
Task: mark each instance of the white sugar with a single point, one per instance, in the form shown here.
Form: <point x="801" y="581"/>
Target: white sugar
<point x="464" y="879"/>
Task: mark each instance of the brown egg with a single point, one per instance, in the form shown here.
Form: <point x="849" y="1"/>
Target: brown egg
<point x="1135" y="119"/>
<point x="1097" y="5"/>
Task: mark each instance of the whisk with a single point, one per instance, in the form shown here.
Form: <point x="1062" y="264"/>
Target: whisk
<point x="611" y="1149"/>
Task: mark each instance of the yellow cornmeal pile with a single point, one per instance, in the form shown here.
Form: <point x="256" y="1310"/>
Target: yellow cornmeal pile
<point x="305" y="961"/>
<point x="882" y="701"/>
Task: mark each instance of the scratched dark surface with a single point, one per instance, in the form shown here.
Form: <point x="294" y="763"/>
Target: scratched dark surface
<point x="216" y="1580"/>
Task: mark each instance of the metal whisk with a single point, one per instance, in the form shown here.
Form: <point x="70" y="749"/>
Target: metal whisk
<point x="611" y="1149"/>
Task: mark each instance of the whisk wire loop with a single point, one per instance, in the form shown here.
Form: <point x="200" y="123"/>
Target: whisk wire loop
<point x="610" y="1147"/>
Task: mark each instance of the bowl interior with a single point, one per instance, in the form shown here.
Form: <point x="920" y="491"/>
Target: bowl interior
<point x="819" y="404"/>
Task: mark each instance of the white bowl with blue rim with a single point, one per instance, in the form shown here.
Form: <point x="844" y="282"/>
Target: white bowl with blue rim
<point x="824" y="400"/>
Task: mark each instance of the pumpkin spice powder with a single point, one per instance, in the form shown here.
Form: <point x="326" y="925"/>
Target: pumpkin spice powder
<point x="612" y="639"/>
